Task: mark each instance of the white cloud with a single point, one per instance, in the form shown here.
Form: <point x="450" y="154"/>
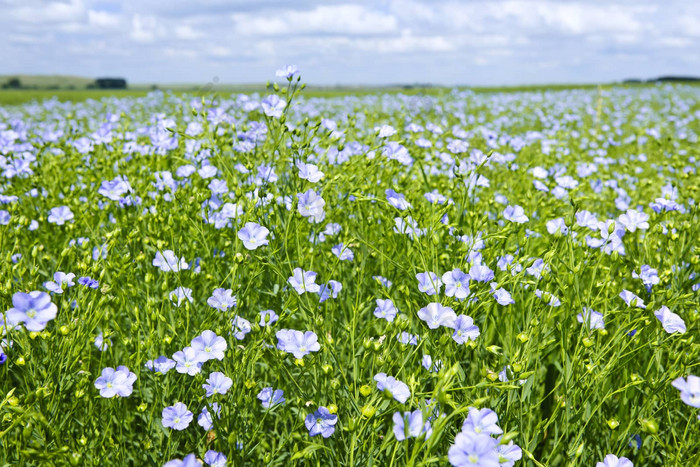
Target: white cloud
<point x="146" y="28"/>
<point x="352" y="41"/>
<point x="103" y="19"/>
<point x="51" y="12"/>
<point x="330" y="19"/>
<point x="186" y="32"/>
<point x="689" y="25"/>
<point x="404" y="43"/>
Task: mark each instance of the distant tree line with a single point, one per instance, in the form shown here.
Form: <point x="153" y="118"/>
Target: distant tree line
<point x="108" y="83"/>
<point x="664" y="79"/>
<point x="12" y="83"/>
<point x="100" y="83"/>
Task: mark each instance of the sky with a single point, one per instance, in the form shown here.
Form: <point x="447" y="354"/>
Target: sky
<point x="349" y="42"/>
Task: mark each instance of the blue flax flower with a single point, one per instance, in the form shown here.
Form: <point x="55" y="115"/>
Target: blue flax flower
<point x="269" y="397"/>
<point x="385" y="309"/>
<point x="209" y="346"/>
<point x="304" y="281"/>
<point x="204" y="419"/>
<point x="398" y="390"/>
<point x="410" y="425"/>
<point x="217" y="383"/>
<point x="177" y="416"/>
<point x="33" y="309"/>
<point x="429" y="283"/>
<point x="611" y="460"/>
<point x="215" y="459"/>
<point x="297" y="343"/>
<point x="436" y="315"/>
<point x="472" y="449"/>
<point x="465" y="329"/>
<point x="117" y="382"/>
<point x="321" y="422"/>
<point x="690" y="390"/>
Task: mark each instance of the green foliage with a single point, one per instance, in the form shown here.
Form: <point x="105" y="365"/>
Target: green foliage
<point x="571" y="396"/>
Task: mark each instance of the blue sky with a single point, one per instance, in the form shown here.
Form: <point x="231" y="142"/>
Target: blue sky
<point x="352" y="42"/>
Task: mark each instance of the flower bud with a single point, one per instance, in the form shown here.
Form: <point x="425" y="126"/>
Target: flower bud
<point x="613" y="424"/>
<point x="650" y="426"/>
<point x="368" y="411"/>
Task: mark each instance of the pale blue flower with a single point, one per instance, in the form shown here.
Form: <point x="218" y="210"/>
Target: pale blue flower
<point x="385" y="309"/>
<point x="240" y="327"/>
<point x="557" y="226"/>
<point x="690" y="390"/>
<point x="205" y="419"/>
<point x="436" y="315"/>
<point x="670" y="321"/>
<point x="343" y="252"/>
<point x="273" y="106"/>
<point x="270" y="398"/>
<point x="611" y="460"/>
<point x="592" y="318"/>
<point x="209" y="346"/>
<point x="34" y="310"/>
<point x="410" y="425"/>
<point x="297" y="343"/>
<point x="304" y="281"/>
<point x="633" y="220"/>
<point x="456" y="284"/>
<point x="222" y="299"/>
<point x="515" y="214"/>
<point x="482" y="421"/>
<point x="268" y="317"/>
<point x="309" y="172"/>
<point x="464" y="329"/>
<point x="60" y="215"/>
<point x="188" y="361"/>
<point x="429" y="283"/>
<point x="167" y="261"/>
<point x="397" y="200"/>
<point x="217" y="383"/>
<point x="117" y="382"/>
<point x="177" y="416"/>
<point x="471" y="449"/>
<point x="215" y="459"/>
<point x="632" y="299"/>
<point x="321" y="422"/>
<point x="398" y="390"/>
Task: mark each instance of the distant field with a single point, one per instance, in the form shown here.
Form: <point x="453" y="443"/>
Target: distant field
<point x="20" y="96"/>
